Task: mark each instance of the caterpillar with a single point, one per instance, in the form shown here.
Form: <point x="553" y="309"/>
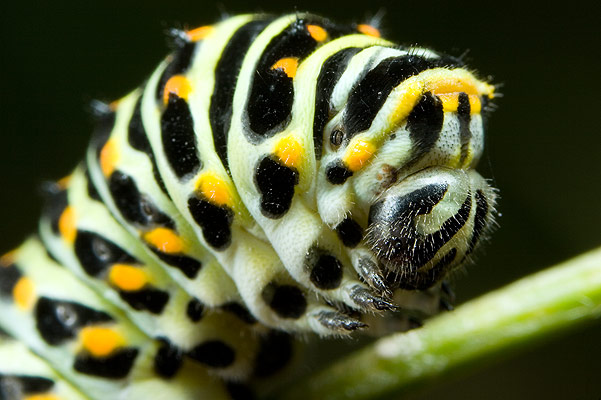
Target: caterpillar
<point x="273" y="177"/>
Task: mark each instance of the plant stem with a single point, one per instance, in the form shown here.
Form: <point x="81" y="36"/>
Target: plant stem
<point x="532" y="308"/>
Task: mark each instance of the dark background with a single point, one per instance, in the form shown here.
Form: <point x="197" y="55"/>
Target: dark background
<point x="542" y="146"/>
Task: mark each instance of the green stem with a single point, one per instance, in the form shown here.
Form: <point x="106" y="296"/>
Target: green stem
<point x="532" y="308"/>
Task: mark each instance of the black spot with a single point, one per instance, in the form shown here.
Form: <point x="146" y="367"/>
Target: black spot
<point x="53" y="208"/>
<point x="463" y="114"/>
<point x="115" y="366"/>
<point x="136" y="136"/>
<point x="239" y="311"/>
<point x="168" y="359"/>
<point x="350" y="232"/>
<point x="213" y="353"/>
<point x="239" y="391"/>
<point x="92" y="191"/>
<point x="337" y="173"/>
<point x="135" y="207"/>
<point x="215" y="222"/>
<point x="479" y="220"/>
<point x="9" y="276"/>
<point x="424" y="124"/>
<point x="179" y="138"/>
<point x="96" y="253"/>
<point x="194" y="310"/>
<point x="59" y="320"/>
<point x="286" y="300"/>
<point x="275" y="351"/>
<point x="275" y="183"/>
<point x="188" y="265"/>
<point x="148" y="299"/>
<point x="370" y="93"/>
<point x="179" y="64"/>
<point x="331" y="70"/>
<point x="326" y="270"/>
<point x="23" y="384"/>
<point x="226" y="75"/>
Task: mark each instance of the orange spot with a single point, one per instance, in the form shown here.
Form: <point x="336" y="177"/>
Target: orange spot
<point x="63" y="183"/>
<point x="200" y="33"/>
<point x="317" y="32"/>
<point x="179" y="85"/>
<point x="99" y="341"/>
<point x="113" y="105"/>
<point x="475" y="104"/>
<point x="23" y="293"/>
<point x="66" y="224"/>
<point x="108" y="157"/>
<point x="450" y="101"/>
<point x="215" y="189"/>
<point x="288" y="65"/>
<point x="368" y="30"/>
<point x="358" y="154"/>
<point x="42" y="397"/>
<point x="128" y="278"/>
<point x="8" y="259"/>
<point x="165" y="240"/>
<point x="289" y="151"/>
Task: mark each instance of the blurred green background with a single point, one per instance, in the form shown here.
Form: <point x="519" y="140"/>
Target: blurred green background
<point x="542" y="147"/>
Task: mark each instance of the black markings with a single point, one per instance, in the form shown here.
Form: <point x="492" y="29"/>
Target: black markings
<point x="424" y="124"/>
<point x="337" y="173"/>
<point x="53" y="208"/>
<point x="370" y="93"/>
<point x="96" y="254"/>
<point x="17" y="385"/>
<point x="271" y="95"/>
<point x="239" y="311"/>
<point x="136" y="136"/>
<point x="59" y="320"/>
<point x="194" y="310"/>
<point x="215" y="222"/>
<point x="179" y="138"/>
<point x="275" y="351"/>
<point x="463" y="114"/>
<point x="9" y="276"/>
<point x="92" y="191"/>
<point x="275" y="183"/>
<point x="350" y="232"/>
<point x="147" y="299"/>
<point x="331" y="70"/>
<point x="479" y="220"/>
<point x="239" y="391"/>
<point x="286" y="300"/>
<point x="182" y="59"/>
<point x="135" y="207"/>
<point x="226" y="75"/>
<point x="168" y="359"/>
<point x="188" y="265"/>
<point x="104" y="125"/>
<point x="115" y="366"/>
<point x="326" y="270"/>
<point x="213" y="353"/>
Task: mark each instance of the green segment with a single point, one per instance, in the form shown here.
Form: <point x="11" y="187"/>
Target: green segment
<point x="534" y="307"/>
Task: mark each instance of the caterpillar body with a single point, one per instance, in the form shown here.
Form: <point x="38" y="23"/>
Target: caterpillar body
<point x="273" y="177"/>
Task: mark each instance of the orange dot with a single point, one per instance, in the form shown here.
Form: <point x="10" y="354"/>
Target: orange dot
<point x="358" y="154"/>
<point x="215" y="189"/>
<point x="63" y="183"/>
<point x="288" y="65"/>
<point x="108" y="157"/>
<point x="23" y="293"/>
<point x="289" y="151"/>
<point x="100" y="341"/>
<point x="127" y="277"/>
<point x="42" y="397"/>
<point x="368" y="30"/>
<point x="179" y="85"/>
<point x="165" y="240"/>
<point x="66" y="224"/>
<point x="317" y="32"/>
<point x="200" y="33"/>
<point x="8" y="259"/>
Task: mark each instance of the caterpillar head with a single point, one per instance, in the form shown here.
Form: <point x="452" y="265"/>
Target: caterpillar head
<point x="399" y="155"/>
